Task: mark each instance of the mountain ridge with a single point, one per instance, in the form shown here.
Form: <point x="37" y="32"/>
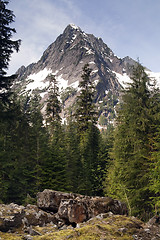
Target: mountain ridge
<point x="65" y="58"/>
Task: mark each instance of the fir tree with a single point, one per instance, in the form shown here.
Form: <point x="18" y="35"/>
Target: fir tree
<point x="85" y="112"/>
<point x="129" y="173"/>
<point x="14" y="138"/>
<point x="73" y="166"/>
<point x="55" y="164"/>
<point x="7" y="46"/>
<point x="88" y="133"/>
<point x="155" y="156"/>
<point x="53" y="110"/>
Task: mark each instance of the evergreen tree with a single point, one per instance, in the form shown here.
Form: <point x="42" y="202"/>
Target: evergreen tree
<point x="7" y="46"/>
<point x="55" y="164"/>
<point x="53" y="110"/>
<point x="129" y="173"/>
<point x="38" y="143"/>
<point x="155" y="156"/>
<point x="13" y="131"/>
<point x="155" y="172"/>
<point x="89" y="136"/>
<point x="23" y="149"/>
<point x="85" y="112"/>
<point x="73" y="166"/>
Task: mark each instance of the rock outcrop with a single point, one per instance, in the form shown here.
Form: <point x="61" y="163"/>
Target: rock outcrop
<point x="61" y="215"/>
<point x="13" y="216"/>
<point x="76" y="208"/>
<point x="57" y="208"/>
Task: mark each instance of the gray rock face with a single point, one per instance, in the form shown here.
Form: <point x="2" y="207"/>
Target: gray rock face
<point x="50" y="200"/>
<point x="75" y="208"/>
<point x="35" y="216"/>
<point x="71" y="51"/>
<point x="13" y="216"/>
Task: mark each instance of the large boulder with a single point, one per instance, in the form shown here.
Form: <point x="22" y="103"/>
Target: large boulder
<point x="50" y="199"/>
<point x="73" y="211"/>
<point x="76" y="208"/>
<point x="35" y="216"/>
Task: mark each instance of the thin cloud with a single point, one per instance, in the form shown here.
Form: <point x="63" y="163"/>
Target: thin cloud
<point x="127" y="27"/>
<point x="39" y="24"/>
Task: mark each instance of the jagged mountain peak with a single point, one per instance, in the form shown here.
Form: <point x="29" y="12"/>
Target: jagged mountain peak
<point x="65" y="59"/>
<point x="73" y="27"/>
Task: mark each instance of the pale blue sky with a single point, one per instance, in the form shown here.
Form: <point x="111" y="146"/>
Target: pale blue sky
<point x="128" y="27"/>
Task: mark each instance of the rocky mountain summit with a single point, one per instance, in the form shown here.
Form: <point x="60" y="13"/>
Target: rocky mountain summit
<point x="65" y="59"/>
<point x="60" y="215"/>
<point x="70" y="52"/>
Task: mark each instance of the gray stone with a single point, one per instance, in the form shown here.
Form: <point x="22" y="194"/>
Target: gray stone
<point x="35" y="216"/>
<point x="50" y="199"/>
<point x="11" y="216"/>
<point x="76" y="208"/>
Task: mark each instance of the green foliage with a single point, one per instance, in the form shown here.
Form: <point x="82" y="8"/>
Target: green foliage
<point x="73" y="164"/>
<point x="7" y="46"/>
<point x="90" y="160"/>
<point x="129" y="172"/>
<point x="85" y="112"/>
<point x="53" y="104"/>
<point x="68" y="92"/>
<point x="155" y="171"/>
<point x="54" y="174"/>
<point x="23" y="140"/>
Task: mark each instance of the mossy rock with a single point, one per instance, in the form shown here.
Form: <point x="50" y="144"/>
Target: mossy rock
<point x="10" y="236"/>
<point x="103" y="227"/>
<point x="109" y="228"/>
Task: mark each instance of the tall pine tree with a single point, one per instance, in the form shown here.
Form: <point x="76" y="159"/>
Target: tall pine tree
<point x="85" y="113"/>
<point x="7" y="46"/>
<point x="129" y="173"/>
<point x="89" y="135"/>
<point x="55" y="164"/>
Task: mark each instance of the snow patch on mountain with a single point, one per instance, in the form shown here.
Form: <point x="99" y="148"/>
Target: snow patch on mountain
<point x="94" y="71"/>
<point x="90" y="52"/>
<point x="96" y="82"/>
<point x="154" y="76"/>
<point x="62" y="83"/>
<point x="37" y="79"/>
<point x="74" y="37"/>
<point x="74" y="85"/>
<point x="123" y="79"/>
<point x="74" y="26"/>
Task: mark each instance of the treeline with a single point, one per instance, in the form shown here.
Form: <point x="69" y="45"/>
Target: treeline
<point x="36" y="155"/>
<point x="134" y="173"/>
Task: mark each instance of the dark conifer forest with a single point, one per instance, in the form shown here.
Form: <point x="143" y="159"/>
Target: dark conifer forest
<point x="39" y="152"/>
